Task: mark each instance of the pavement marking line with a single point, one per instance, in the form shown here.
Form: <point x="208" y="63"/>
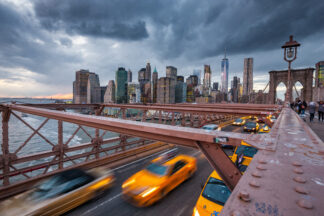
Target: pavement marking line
<point x="181" y="211"/>
<point x="101" y="204"/>
<point x="194" y="154"/>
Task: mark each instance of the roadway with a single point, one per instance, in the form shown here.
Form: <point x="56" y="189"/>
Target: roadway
<point x="180" y="201"/>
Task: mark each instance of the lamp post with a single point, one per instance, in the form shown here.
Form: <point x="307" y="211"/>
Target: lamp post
<point x="290" y="54"/>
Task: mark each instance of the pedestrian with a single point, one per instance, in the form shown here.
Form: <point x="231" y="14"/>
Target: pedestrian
<point x="321" y="111"/>
<point x="299" y="104"/>
<point x="303" y="107"/>
<point x="312" y="108"/>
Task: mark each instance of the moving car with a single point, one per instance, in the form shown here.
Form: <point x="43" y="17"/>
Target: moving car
<point x="243" y="155"/>
<point x="59" y="193"/>
<point x="159" y="178"/>
<point x="239" y="122"/>
<point x="251" y="127"/>
<point x="210" y="127"/>
<point x="264" y="129"/>
<point x="213" y="196"/>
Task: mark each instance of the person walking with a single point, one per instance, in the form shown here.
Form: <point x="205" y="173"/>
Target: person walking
<point x="312" y="108"/>
<point x="303" y="107"/>
<point x="299" y="105"/>
<point x="321" y="111"/>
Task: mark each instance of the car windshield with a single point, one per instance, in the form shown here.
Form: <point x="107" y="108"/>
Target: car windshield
<point x="251" y="124"/>
<point x="61" y="183"/>
<point x="209" y="127"/>
<point x="247" y="151"/>
<point x="238" y="120"/>
<point x="157" y="169"/>
<point x="216" y="191"/>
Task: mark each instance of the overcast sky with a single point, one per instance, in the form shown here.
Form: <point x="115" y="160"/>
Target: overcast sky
<point x="43" y="43"/>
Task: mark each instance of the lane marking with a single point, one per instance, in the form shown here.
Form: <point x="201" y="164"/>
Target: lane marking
<point x="101" y="204"/>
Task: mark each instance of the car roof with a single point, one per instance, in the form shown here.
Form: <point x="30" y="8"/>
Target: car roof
<point x="177" y="158"/>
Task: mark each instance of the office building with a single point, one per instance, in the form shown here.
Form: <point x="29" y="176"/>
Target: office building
<point x="110" y="92"/>
<point x="154" y="85"/>
<point x="164" y="94"/>
<point x="80" y="86"/>
<point x="93" y="89"/>
<point x="207" y="76"/>
<point x="147" y="74"/>
<point x="132" y="90"/>
<point x="197" y="73"/>
<point x="141" y="75"/>
<point x="215" y="86"/>
<point x="248" y="76"/>
<point x="180" y="90"/>
<point x="121" y="85"/>
<point x="224" y="74"/>
<point x="129" y="76"/>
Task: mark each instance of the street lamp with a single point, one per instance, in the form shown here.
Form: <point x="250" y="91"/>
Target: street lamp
<point x="290" y="54"/>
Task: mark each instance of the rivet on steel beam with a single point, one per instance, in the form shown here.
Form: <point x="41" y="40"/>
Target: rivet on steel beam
<point x="260" y="167"/>
<point x="256" y="174"/>
<point x="231" y="176"/>
<point x="300" y="179"/>
<point x="262" y="161"/>
<point x="301" y="190"/>
<point x="245" y="196"/>
<point x="305" y="204"/>
<point x="254" y="183"/>
<point x="236" y="213"/>
<point x="298" y="171"/>
<point x="297" y="164"/>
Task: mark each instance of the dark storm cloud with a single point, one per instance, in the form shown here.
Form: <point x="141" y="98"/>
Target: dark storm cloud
<point x="196" y="29"/>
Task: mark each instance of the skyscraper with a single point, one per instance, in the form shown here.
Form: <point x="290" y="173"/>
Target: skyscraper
<point x="93" y="89"/>
<point x="207" y="76"/>
<point x="154" y="85"/>
<point x="147" y="75"/>
<point x="121" y="85"/>
<point x="141" y="75"/>
<point x="197" y="72"/>
<point x="171" y="72"/>
<point x="224" y="74"/>
<point x="80" y="86"/>
<point x="164" y="96"/>
<point x="110" y="92"/>
<point x="180" y="90"/>
<point x="215" y="86"/>
<point x="129" y="76"/>
<point x="248" y="76"/>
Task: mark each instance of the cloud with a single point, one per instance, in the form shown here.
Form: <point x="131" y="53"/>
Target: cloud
<point x="56" y="38"/>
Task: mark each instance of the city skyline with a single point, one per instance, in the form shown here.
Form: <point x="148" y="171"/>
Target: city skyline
<point x="42" y="48"/>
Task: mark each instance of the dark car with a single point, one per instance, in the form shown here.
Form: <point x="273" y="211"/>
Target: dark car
<point x="251" y="127"/>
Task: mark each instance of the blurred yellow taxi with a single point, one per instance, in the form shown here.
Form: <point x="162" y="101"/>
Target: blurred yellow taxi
<point x="243" y="155"/>
<point x="264" y="129"/>
<point x="239" y="122"/>
<point x="213" y="197"/>
<point x="59" y="193"/>
<point x="160" y="177"/>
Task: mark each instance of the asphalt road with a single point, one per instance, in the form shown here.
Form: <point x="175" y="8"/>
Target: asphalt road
<point x="180" y="201"/>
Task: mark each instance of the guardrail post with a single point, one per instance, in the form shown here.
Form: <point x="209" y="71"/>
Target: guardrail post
<point x="144" y="116"/>
<point x="160" y="116"/>
<point x="60" y="143"/>
<point x="123" y="113"/>
<point x="5" y="145"/>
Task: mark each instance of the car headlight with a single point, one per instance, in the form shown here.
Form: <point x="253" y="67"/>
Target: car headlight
<point x="149" y="191"/>
<point x="196" y="213"/>
<point x="128" y="183"/>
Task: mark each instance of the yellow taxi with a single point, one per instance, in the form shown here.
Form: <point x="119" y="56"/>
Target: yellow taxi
<point x="213" y="196"/>
<point x="243" y="155"/>
<point x="155" y="181"/>
<point x="251" y="127"/>
<point x="59" y="193"/>
<point x="239" y="122"/>
<point x="264" y="129"/>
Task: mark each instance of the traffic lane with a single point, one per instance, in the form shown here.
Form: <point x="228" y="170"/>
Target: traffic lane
<point x="233" y="128"/>
<point x="112" y="200"/>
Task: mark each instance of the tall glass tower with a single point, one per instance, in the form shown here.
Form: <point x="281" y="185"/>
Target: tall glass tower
<point x="224" y="74"/>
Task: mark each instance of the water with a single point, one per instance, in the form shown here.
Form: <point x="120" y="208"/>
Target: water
<point x="19" y="133"/>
